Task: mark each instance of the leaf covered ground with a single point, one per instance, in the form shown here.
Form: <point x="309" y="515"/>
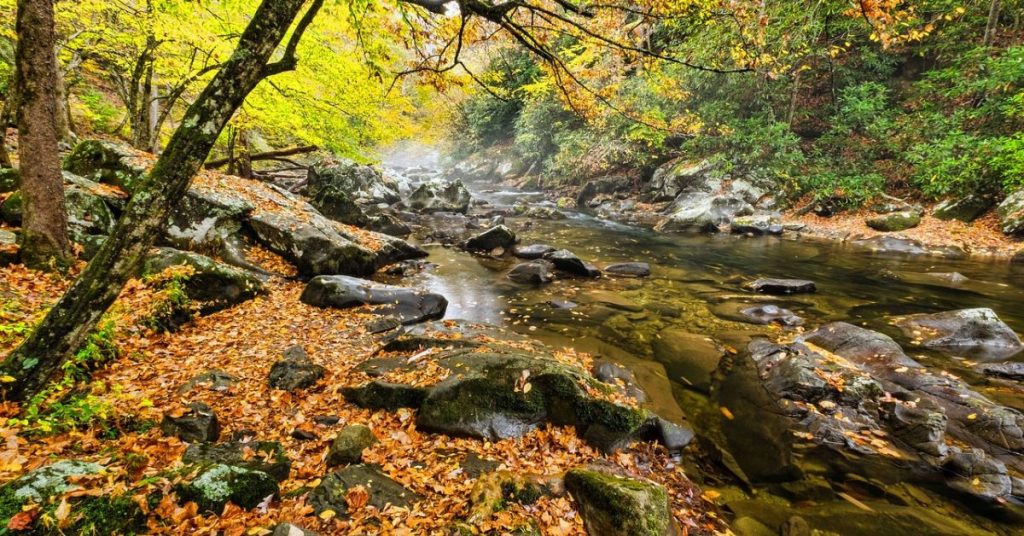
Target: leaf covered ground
<point x="132" y="393"/>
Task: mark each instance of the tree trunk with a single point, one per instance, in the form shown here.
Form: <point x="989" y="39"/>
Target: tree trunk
<point x="993" y="22"/>
<point x="44" y="234"/>
<point x="5" y="159"/>
<point x="66" y="326"/>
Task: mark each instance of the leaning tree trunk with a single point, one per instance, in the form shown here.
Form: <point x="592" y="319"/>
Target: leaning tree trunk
<point x="66" y="326"/>
<point x="44" y="233"/>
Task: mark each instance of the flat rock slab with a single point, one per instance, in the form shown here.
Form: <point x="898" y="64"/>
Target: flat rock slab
<point x="975" y="333"/>
<point x="568" y="262"/>
<point x="628" y="269"/>
<point x="768" y="285"/>
<point x="535" y="272"/>
<point x="333" y="490"/>
<point x="532" y="251"/>
<point x="408" y="305"/>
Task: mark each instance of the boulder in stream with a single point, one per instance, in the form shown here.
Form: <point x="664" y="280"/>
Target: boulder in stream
<point x="532" y="251"/>
<point x="771" y="314"/>
<point x="613" y="504"/>
<point x="533" y="272"/>
<point x="567" y="261"/>
<point x="408" y="305"/>
<point x="976" y="333"/>
<point x="491" y="239"/>
<point x="628" y="269"/>
<point x="361" y="183"/>
<point x="440" y="195"/>
<point x="771" y="285"/>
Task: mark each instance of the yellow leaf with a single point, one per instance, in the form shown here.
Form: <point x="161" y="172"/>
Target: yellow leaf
<point x="62" y="513"/>
<point x="327" y="515"/>
<point x="728" y="414"/>
<point x="972" y="416"/>
<point x="8" y="379"/>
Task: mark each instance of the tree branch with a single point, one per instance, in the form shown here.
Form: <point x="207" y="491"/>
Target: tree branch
<point x="288" y="60"/>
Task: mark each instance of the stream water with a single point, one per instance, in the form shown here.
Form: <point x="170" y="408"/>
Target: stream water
<point x="689" y="304"/>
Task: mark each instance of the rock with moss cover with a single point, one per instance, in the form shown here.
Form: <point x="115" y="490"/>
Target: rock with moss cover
<point x="440" y="195"/>
<point x="198" y="424"/>
<point x="967" y="208"/>
<point x="107" y="162"/>
<point x="216" y="485"/>
<point x="616" y="505"/>
<point x="332" y="492"/>
<point x="212" y="286"/>
<point x="295" y="371"/>
<point x="385" y="395"/>
<point x="9" y="180"/>
<point x="1011" y="214"/>
<point x="895" y="221"/>
<point x="363" y="184"/>
<point x="349" y="444"/>
<point x="266" y="456"/>
<point x="338" y="205"/>
<point x="90" y="207"/>
<point x="493" y="238"/>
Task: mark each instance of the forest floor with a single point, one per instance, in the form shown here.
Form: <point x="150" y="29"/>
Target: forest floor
<point x="244" y="341"/>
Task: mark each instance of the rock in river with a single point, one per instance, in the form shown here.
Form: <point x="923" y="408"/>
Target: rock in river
<point x="440" y="195"/>
<point x="1011" y="214"/>
<point x="493" y="238"/>
<point x="409" y="305"/>
<point x="628" y="269"/>
<point x="767" y="285"/>
<point x="768" y="314"/>
<point x="977" y="333"/>
<point x="568" y="262"/>
<point x="533" y="251"/>
<point x="533" y="272"/>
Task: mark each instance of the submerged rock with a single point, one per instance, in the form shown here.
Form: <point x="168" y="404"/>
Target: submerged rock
<point x="768" y="314"/>
<point x="616" y="505"/>
<point x="767" y="285"/>
<point x="199" y="424"/>
<point x="408" y="305"/>
<point x="295" y="371"/>
<point x="628" y="269"/>
<point x="895" y="221"/>
<point x="440" y="195"/>
<point x="689" y="358"/>
<point x="977" y="333"/>
<point x="332" y="492"/>
<point x="895" y="245"/>
<point x="1012" y="370"/>
<point x="758" y="224"/>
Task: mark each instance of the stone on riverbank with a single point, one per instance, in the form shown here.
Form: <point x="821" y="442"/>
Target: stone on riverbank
<point x="616" y="505"/>
<point x="266" y="456"/>
<point x="966" y="209"/>
<point x="758" y="224"/>
<point x="295" y="371"/>
<point x="440" y="195"/>
<point x="332" y="492"/>
<point x="1011" y="214"/>
<point x="197" y="425"/>
<point x="348" y="446"/>
<point x="894" y="221"/>
<point x="408" y="305"/>
<point x="212" y="286"/>
<point x="360" y="183"/>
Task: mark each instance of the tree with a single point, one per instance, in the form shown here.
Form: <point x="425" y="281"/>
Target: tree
<point x="44" y="235"/>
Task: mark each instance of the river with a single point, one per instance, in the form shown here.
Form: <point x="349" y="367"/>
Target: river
<point x="691" y="300"/>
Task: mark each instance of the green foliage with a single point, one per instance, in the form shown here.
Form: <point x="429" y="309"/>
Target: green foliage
<point x="171" y="305"/>
<point x="757" y="147"/>
<point x="101" y="115"/>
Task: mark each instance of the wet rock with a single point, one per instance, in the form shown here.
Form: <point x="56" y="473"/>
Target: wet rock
<point x="216" y="485"/>
<point x="212" y="286"/>
<point x="703" y="212"/>
<point x="533" y="251"/>
<point x="349" y="444"/>
<point x="758" y="224"/>
<point x="533" y="272"/>
<point x="107" y="162"/>
<point x="539" y="213"/>
<point x="628" y="269"/>
<point x="388" y="224"/>
<point x="614" y="374"/>
<point x="687" y="357"/>
<point x="894" y="245"/>
<point x="562" y="304"/>
<point x="975" y="474"/>
<point x="314" y="249"/>
<point x="922" y="426"/>
<point x="776" y="286"/>
<point x="440" y="195"/>
<point x="894" y="221"/>
<point x="568" y="262"/>
<point x="214" y="380"/>
<point x="362" y="183"/>
<point x="408" y="305"/>
<point x="295" y="371"/>
<point x="977" y="333"/>
<point x="967" y="208"/>
<point x="769" y="314"/>
<point x="1009" y="370"/>
<point x="613" y="300"/>
<point x="674" y="437"/>
<point x="339" y="206"/>
<point x="1011" y="214"/>
<point x="616" y="505"/>
<point x="266" y="456"/>
<point x="672" y="178"/>
<point x="333" y="489"/>
<point x="603" y="186"/>
<point x="199" y="424"/>
<point x="385" y="395"/>
<point x="493" y="238"/>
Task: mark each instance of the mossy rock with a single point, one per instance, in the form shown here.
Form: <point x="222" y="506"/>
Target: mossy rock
<point x="966" y="209"/>
<point x="614" y="505"/>
<point x="895" y="221"/>
<point x="12" y="209"/>
<point x="213" y="286"/>
<point x="266" y="456"/>
<point x="349" y="444"/>
<point x="332" y="491"/>
<point x="106" y="162"/>
<point x="338" y="205"/>
<point x="1011" y="214"/>
<point x="89" y="209"/>
<point x="91" y="515"/>
<point x="216" y="485"/>
<point x="9" y="180"/>
<point x="385" y="395"/>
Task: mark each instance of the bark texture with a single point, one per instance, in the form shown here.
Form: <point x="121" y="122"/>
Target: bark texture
<point x="67" y="325"/>
<point x="44" y="235"/>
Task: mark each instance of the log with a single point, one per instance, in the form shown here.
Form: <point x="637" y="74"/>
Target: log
<point x="269" y="155"/>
